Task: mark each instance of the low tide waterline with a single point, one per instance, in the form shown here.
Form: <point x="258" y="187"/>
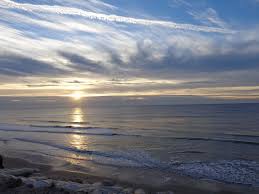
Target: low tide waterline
<point x="138" y="143"/>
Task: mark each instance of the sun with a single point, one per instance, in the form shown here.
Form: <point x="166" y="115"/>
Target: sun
<point x="77" y="95"/>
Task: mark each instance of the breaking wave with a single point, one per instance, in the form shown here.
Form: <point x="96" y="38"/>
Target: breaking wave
<point x="229" y="171"/>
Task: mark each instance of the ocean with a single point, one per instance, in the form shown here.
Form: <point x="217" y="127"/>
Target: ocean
<point x="135" y="142"/>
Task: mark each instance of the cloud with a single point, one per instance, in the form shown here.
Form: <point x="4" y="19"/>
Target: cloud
<point x="41" y="85"/>
<point x="188" y="57"/>
<point x="209" y="16"/>
<point x="61" y="10"/>
<point x="80" y="63"/>
<point x="14" y="65"/>
<point x="90" y="5"/>
<point x="100" y="54"/>
<point x="179" y="3"/>
<point x="200" y="12"/>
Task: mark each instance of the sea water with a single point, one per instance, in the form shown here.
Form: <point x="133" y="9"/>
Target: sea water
<point x="126" y="139"/>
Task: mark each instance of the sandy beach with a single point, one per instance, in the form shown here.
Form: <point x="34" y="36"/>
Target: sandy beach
<point x="21" y="176"/>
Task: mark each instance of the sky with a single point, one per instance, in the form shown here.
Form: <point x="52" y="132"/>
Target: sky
<point x="202" y="48"/>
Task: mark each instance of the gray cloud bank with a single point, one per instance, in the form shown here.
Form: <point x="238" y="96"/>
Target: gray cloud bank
<point x="15" y="65"/>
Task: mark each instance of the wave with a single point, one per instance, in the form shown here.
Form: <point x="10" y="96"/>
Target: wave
<point x="71" y="127"/>
<point x="4" y="140"/>
<point x="189" y="152"/>
<point x="96" y="131"/>
<point x="57" y="122"/>
<point x="63" y="132"/>
<point x="218" y="140"/>
<point x="229" y="171"/>
<point x="243" y="135"/>
<point x="120" y="158"/>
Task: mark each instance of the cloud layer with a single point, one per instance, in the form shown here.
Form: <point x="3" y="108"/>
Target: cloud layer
<point x="101" y="49"/>
<point x="61" y="10"/>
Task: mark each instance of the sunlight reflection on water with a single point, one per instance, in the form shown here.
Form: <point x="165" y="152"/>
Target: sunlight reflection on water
<point x="77" y="117"/>
<point x="77" y="141"/>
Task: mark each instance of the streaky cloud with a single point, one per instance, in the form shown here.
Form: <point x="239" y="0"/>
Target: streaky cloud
<point x="61" y="10"/>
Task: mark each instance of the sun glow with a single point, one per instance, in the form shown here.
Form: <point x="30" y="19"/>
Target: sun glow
<point x="77" y="95"/>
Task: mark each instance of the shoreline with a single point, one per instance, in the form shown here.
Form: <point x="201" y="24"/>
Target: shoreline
<point x="179" y="187"/>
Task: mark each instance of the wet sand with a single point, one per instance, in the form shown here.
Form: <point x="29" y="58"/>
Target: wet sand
<point x="180" y="186"/>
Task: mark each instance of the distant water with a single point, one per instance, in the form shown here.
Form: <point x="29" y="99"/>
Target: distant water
<point x="218" y="142"/>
